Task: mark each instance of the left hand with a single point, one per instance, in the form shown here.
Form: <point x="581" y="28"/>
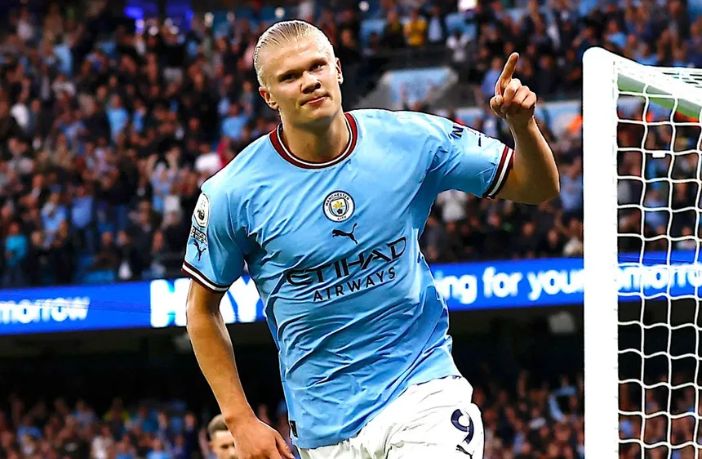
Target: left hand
<point x="512" y="101"/>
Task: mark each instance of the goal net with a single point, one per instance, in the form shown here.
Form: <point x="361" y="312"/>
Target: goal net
<point x="643" y="326"/>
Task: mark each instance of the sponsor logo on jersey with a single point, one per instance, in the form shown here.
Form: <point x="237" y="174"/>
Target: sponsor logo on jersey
<point x="338" y="233"/>
<point x="344" y="274"/>
<point x="338" y="206"/>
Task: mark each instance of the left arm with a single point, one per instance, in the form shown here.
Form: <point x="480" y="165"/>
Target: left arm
<point x="534" y="176"/>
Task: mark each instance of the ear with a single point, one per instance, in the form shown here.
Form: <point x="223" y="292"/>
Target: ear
<point x="268" y="97"/>
<point x="340" y="74"/>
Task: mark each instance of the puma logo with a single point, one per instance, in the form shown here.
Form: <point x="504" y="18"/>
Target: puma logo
<point x="463" y="450"/>
<point x="199" y="249"/>
<point x="338" y="232"/>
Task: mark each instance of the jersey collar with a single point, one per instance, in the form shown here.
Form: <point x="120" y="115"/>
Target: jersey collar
<point x="276" y="140"/>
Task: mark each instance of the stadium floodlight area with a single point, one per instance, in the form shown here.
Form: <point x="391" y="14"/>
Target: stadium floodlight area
<point x="642" y="187"/>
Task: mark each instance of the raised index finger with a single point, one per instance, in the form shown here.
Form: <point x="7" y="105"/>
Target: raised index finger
<point x="508" y="71"/>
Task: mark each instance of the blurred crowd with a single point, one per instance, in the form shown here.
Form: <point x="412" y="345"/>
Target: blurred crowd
<point x="109" y="126"/>
<point x="533" y="419"/>
<point x="149" y="430"/>
<point x="529" y="420"/>
<point x="660" y="207"/>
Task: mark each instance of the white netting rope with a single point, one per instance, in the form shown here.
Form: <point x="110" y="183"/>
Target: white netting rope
<point x="660" y="406"/>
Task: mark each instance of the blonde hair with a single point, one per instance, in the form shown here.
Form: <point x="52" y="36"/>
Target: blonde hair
<point x="216" y="424"/>
<point x="281" y="32"/>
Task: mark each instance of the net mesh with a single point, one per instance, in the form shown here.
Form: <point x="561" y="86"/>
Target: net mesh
<point x="659" y="163"/>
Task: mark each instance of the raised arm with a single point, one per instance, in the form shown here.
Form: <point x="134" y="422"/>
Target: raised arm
<point x="215" y="355"/>
<point x="534" y="176"/>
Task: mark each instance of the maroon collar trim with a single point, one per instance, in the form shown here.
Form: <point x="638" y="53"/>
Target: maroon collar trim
<point x="276" y="140"/>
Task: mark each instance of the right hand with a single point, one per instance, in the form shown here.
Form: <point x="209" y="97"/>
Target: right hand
<point x="513" y="101"/>
<point x="254" y="439"/>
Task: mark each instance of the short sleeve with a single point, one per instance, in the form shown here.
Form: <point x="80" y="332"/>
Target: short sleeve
<point x="212" y="257"/>
<point x="467" y="160"/>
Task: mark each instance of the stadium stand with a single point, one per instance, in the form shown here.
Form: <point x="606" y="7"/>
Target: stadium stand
<point x="108" y="126"/>
<point x="107" y="131"/>
<point x="521" y="421"/>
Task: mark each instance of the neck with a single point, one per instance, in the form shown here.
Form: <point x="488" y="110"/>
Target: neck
<point x="317" y="144"/>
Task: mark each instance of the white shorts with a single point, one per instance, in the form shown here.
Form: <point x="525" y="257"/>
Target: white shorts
<point x="433" y="420"/>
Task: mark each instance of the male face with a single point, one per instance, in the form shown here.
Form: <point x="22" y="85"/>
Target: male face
<point x="301" y="81"/>
<point x="222" y="444"/>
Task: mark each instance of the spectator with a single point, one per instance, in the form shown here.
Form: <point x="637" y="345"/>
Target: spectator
<point x="572" y="187"/>
<point x="38" y="263"/>
<point x="528" y="241"/>
<point x="61" y="255"/>
<point x="132" y="260"/>
<point x="233" y="124"/>
<point x="433" y="239"/>
<point x="82" y="213"/>
<point x="117" y="116"/>
<point x="548" y="81"/>
<point x="520" y="414"/>
<point x="102" y="443"/>
<point x="349" y="53"/>
<point x="221" y="441"/>
<point x="496" y="236"/>
<point x="688" y="241"/>
<point x="572" y="73"/>
<point x="71" y="442"/>
<point x="84" y="414"/>
<point x="27" y="428"/>
<point x="551" y="245"/>
<point x="158" y="450"/>
<point x="453" y="205"/>
<point x="107" y="257"/>
<point x="15" y="251"/>
<point x="416" y="30"/>
<point x="436" y="26"/>
<point x="458" y="43"/>
<point x="614" y="34"/>
<point x="487" y="88"/>
<point x="453" y="246"/>
<point x="393" y="32"/>
<point x="159" y="256"/>
<point x="162" y="179"/>
<point x="472" y="239"/>
<point x="88" y="132"/>
<point x="574" y="246"/>
<point x="327" y="23"/>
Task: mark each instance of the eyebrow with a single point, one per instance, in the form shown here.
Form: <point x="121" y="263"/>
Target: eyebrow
<point x="317" y="60"/>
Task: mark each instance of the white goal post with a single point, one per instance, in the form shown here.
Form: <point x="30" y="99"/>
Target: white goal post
<point x="666" y="102"/>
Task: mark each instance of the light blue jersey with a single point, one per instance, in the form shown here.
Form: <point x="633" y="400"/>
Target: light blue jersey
<point x="333" y="249"/>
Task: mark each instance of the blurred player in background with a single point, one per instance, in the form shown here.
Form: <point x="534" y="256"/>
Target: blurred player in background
<point x="326" y="211"/>
<point x="221" y="440"/>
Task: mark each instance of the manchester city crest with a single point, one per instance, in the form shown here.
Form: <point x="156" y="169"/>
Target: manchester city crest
<point x="338" y="206"/>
